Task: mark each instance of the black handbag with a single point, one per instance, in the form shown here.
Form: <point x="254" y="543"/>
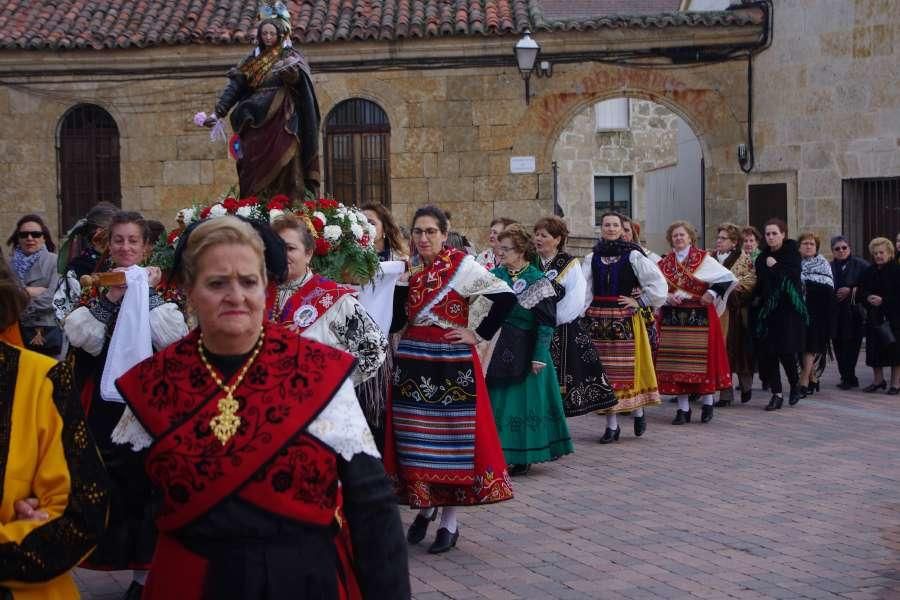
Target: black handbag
<point x="46" y="339"/>
<point x="884" y="333"/>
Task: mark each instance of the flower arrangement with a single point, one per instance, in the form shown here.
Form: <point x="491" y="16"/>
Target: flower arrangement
<point x="344" y="239"/>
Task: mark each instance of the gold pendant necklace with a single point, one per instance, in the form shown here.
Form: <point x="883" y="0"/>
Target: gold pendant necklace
<point x="514" y="273"/>
<point x="226" y="423"/>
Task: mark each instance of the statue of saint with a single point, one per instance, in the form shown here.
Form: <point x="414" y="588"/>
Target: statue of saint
<point x="274" y="114"/>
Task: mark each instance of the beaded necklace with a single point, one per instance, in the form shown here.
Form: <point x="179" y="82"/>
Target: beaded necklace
<point x="225" y="424"/>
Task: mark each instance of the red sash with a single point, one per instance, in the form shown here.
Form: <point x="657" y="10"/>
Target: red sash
<point x="427" y="285"/>
<point x="308" y="303"/>
<point x="680" y="276"/>
<point x="272" y="461"/>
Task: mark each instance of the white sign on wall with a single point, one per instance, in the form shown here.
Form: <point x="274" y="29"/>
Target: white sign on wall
<point x="521" y="164"/>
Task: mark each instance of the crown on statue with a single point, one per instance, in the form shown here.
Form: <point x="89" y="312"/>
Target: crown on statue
<point x="275" y="11"/>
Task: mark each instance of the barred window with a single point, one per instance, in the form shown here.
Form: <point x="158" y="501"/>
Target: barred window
<point x="357" y="153"/>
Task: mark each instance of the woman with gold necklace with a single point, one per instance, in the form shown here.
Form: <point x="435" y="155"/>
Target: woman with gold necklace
<point x="521" y="378"/>
<point x="255" y="436"/>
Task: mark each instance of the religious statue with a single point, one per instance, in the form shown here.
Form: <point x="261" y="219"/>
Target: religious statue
<point x="274" y="114"/>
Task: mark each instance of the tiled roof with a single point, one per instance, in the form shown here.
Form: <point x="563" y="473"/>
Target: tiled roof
<point x="98" y="24"/>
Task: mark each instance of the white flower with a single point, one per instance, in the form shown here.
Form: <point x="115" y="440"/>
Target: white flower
<point x="357" y="230"/>
<point x="187" y="215"/>
<point x="217" y="210"/>
<point x="320" y="216"/>
<point x="370" y="229"/>
<point x="332" y="233"/>
<point x="274" y="214"/>
<point x="244" y="211"/>
<point x="361" y="218"/>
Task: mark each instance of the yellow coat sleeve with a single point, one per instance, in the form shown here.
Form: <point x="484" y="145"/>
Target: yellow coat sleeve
<point x="50" y="456"/>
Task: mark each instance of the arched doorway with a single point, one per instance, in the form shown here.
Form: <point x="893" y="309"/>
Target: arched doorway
<point x="634" y="156"/>
<point x="88" y="154"/>
<point x="357" y="153"/>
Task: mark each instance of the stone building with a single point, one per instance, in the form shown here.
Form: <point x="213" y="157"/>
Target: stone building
<point x="422" y="101"/>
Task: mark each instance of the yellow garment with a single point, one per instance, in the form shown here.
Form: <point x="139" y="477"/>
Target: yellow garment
<point x="644" y="391"/>
<point x="44" y="445"/>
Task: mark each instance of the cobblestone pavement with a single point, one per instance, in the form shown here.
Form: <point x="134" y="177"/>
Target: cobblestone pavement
<point x="799" y="503"/>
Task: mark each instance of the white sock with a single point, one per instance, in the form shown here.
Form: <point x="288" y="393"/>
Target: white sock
<point x="683" y="403"/>
<point x="427" y="513"/>
<point x="448" y="519"/>
<point x="639" y="413"/>
<point x="139" y="576"/>
<point x="612" y="422"/>
<point x="707" y="399"/>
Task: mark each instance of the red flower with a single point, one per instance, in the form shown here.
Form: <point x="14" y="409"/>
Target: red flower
<point x="173" y="235"/>
<point x="279" y="202"/>
<point x="310" y="205"/>
<point x="318" y="224"/>
<point x="205" y="212"/>
<point x="327" y="203"/>
<point x="364" y="240"/>
<point x="230" y="204"/>
<point x="247" y="201"/>
<point x="322" y="246"/>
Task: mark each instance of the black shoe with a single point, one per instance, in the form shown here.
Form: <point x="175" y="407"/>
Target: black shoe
<point x="516" y="470"/>
<point x="794" y="396"/>
<point x="746" y="396"/>
<point x="814" y="387"/>
<point x="775" y="402"/>
<point x="134" y="592"/>
<point x="610" y="435"/>
<point x="875" y="387"/>
<point x="640" y="426"/>
<point x="893" y="391"/>
<point x="706" y="414"/>
<point x="418" y="529"/>
<point x="846" y="386"/>
<point x="803" y="392"/>
<point x="682" y="417"/>
<point x="443" y="541"/>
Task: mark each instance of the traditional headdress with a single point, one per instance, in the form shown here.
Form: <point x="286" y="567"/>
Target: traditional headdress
<point x="277" y="11"/>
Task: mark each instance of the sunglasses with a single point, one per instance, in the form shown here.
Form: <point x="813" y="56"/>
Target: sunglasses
<point x="33" y="234"/>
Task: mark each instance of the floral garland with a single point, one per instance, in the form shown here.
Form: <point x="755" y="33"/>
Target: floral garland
<point x="344" y="239"/>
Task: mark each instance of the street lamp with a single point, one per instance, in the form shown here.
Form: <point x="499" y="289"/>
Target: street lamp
<point x="526" y="50"/>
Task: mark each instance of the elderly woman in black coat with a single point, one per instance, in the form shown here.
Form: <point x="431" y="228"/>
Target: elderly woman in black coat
<point x="847" y="271"/>
<point x="880" y="292"/>
<point x="781" y="314"/>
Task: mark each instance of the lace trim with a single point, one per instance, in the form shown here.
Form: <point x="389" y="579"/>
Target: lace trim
<point x="342" y="426"/>
<point x="130" y="431"/>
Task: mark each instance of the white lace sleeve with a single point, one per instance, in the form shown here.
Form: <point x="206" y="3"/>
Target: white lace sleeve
<point x="342" y="426"/>
<point x="572" y="304"/>
<point x="167" y="325"/>
<point x="85" y="331"/>
<point x="129" y="431"/>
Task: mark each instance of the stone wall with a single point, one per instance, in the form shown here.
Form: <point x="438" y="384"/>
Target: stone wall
<point x="827" y="103"/>
<point x="453" y="130"/>
<point x="583" y="152"/>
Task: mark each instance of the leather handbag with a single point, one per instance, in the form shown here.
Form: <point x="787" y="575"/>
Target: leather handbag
<point x="884" y="333"/>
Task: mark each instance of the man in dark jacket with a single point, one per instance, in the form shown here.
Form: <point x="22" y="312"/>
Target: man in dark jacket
<point x="847" y="270"/>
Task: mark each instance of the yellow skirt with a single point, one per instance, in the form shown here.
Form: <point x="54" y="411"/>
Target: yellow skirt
<point x="641" y="391"/>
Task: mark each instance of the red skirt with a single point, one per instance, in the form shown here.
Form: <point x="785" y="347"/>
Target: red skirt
<point x="691" y="357"/>
<point x="441" y="446"/>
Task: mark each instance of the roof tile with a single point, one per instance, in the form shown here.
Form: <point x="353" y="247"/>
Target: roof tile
<point x="68" y="24"/>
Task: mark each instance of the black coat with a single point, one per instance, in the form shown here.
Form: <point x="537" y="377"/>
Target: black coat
<point x="848" y="274"/>
<point x="779" y="325"/>
<point x="883" y="281"/>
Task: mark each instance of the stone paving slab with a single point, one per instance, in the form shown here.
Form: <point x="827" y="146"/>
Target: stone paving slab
<point x="798" y="503"/>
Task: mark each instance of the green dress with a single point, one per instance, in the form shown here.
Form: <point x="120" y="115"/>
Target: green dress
<point x="528" y="410"/>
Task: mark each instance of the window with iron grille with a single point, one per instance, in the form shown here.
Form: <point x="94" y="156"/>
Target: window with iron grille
<point x="871" y="209"/>
<point x="88" y="154"/>
<point x="611" y="193"/>
<point x="357" y="153"/>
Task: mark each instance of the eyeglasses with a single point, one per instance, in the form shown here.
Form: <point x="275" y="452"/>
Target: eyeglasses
<point x="840" y="248"/>
<point x="33" y="234"/>
<point x="430" y="232"/>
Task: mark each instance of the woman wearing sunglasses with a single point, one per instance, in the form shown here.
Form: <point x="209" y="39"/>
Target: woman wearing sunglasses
<point x="34" y="264"/>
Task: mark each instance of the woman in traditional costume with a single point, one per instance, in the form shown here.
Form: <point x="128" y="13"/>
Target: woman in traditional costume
<point x="821" y="302"/>
<point x="116" y="329"/>
<point x="255" y="436"/>
<point x="521" y="378"/>
<point x="274" y="114"/>
<point x="34" y="263"/>
<point x="735" y="323"/>
<point x="880" y="291"/>
<point x="847" y="270"/>
<point x="781" y="316"/>
<point x="582" y="380"/>
<point x="441" y="443"/>
<point x="54" y="492"/>
<point x="692" y="357"/>
<point x="614" y="270"/>
<point x="322" y="310"/>
<point x="488" y="257"/>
